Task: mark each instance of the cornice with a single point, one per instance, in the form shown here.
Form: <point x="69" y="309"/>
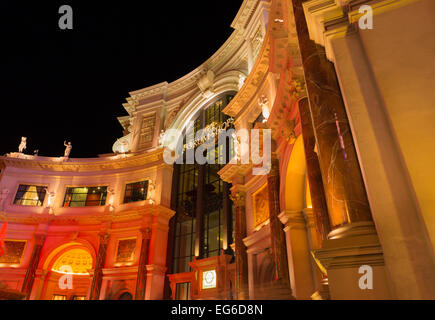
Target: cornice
<point x="245" y="12"/>
<point x="331" y="19"/>
<point x="252" y="83"/>
<point x="87" y="219"/>
<point x="117" y="162"/>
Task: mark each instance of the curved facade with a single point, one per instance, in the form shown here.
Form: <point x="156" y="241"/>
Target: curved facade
<point x="321" y="224"/>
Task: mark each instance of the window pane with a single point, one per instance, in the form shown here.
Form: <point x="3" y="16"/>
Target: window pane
<point x="136" y="192"/>
<point x="85" y="197"/>
<point x="28" y="195"/>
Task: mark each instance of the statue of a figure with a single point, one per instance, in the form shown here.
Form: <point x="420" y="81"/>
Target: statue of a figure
<point x="68" y="149"/>
<point x="151" y="191"/>
<point x="242" y="80"/>
<point x="23" y="144"/>
<point x="236" y="146"/>
<point x="162" y="138"/>
<point x="124" y="146"/>
<point x="264" y="103"/>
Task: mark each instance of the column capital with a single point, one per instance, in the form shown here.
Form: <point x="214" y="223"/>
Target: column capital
<point x="238" y="197"/>
<point x="292" y="219"/>
<point x="104" y="237"/>
<point x="146" y="233"/>
<point x="39" y="238"/>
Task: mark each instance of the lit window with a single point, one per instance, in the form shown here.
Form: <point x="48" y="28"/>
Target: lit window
<point x="85" y="197"/>
<point x="79" y="298"/>
<point x="59" y="297"/>
<point x="30" y="195"/>
<point x="136" y="192"/>
<point x="209" y="279"/>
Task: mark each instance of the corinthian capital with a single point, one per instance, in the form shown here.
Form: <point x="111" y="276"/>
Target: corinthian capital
<point x="238" y="198"/>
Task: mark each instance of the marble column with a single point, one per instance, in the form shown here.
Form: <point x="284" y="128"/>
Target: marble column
<point x="238" y="197"/>
<point x="277" y="236"/>
<point x="33" y="265"/>
<point x="344" y="188"/>
<point x="318" y="199"/>
<point x="99" y="265"/>
<point x="353" y="241"/>
<point x="141" y="282"/>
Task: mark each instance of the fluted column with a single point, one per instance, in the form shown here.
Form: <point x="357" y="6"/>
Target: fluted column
<point x="241" y="288"/>
<point x="344" y="188"/>
<point x="33" y="265"/>
<point x="99" y="265"/>
<point x="141" y="282"/>
<point x="277" y="235"/>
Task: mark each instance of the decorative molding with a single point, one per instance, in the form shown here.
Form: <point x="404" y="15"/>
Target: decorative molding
<point x="117" y="162"/>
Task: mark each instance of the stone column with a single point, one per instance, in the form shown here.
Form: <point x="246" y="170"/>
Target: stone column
<point x="33" y="265"/>
<point x="353" y="241"/>
<point x="199" y="240"/>
<point x="314" y="174"/>
<point x="319" y="212"/>
<point x="344" y="188"/>
<point x="238" y="197"/>
<point x="99" y="265"/>
<point x="141" y="282"/>
<point x="277" y="236"/>
<point x="228" y="219"/>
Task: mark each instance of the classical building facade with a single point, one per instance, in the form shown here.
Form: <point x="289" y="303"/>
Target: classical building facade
<point x="345" y="211"/>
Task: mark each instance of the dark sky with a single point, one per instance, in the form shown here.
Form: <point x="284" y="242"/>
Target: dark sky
<point x="61" y="85"/>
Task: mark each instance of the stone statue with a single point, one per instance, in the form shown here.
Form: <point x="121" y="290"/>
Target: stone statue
<point x="124" y="146"/>
<point x="151" y="191"/>
<point x="264" y="103"/>
<point x="162" y="139"/>
<point x="236" y="146"/>
<point x="23" y="144"/>
<point x="242" y="80"/>
<point x="68" y="149"/>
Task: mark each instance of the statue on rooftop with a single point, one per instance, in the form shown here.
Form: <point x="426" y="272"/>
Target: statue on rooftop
<point x="23" y="144"/>
<point x="68" y="149"/>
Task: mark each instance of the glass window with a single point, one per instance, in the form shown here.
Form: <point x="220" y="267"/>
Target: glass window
<point x="212" y="193"/>
<point x="209" y="279"/>
<point x="59" y="297"/>
<point x="136" y="192"/>
<point x="28" y="195"/>
<point x="85" y="197"/>
<point x="79" y="298"/>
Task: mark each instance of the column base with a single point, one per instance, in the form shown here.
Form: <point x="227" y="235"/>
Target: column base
<point x="6" y="294"/>
<point x="323" y="293"/>
<point x="274" y="291"/>
<point x="348" y="249"/>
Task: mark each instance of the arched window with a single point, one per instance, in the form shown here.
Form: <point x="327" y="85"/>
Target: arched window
<point x="204" y="220"/>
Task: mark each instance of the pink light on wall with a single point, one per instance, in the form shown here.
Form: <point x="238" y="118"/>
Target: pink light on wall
<point x="2" y="237"/>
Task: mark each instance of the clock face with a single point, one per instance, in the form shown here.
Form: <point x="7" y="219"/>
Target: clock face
<point x="209" y="279"/>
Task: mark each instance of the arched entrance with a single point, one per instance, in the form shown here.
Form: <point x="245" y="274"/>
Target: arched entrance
<point x="69" y="269"/>
<point x="299" y="219"/>
<point x="125" y="296"/>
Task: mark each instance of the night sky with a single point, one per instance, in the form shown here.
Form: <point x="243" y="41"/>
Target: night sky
<point x="69" y="85"/>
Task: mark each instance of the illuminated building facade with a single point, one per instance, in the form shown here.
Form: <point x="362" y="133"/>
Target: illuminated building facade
<point x="350" y="185"/>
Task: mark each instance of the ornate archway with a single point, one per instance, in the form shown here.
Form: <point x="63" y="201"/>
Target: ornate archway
<point x="69" y="270"/>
